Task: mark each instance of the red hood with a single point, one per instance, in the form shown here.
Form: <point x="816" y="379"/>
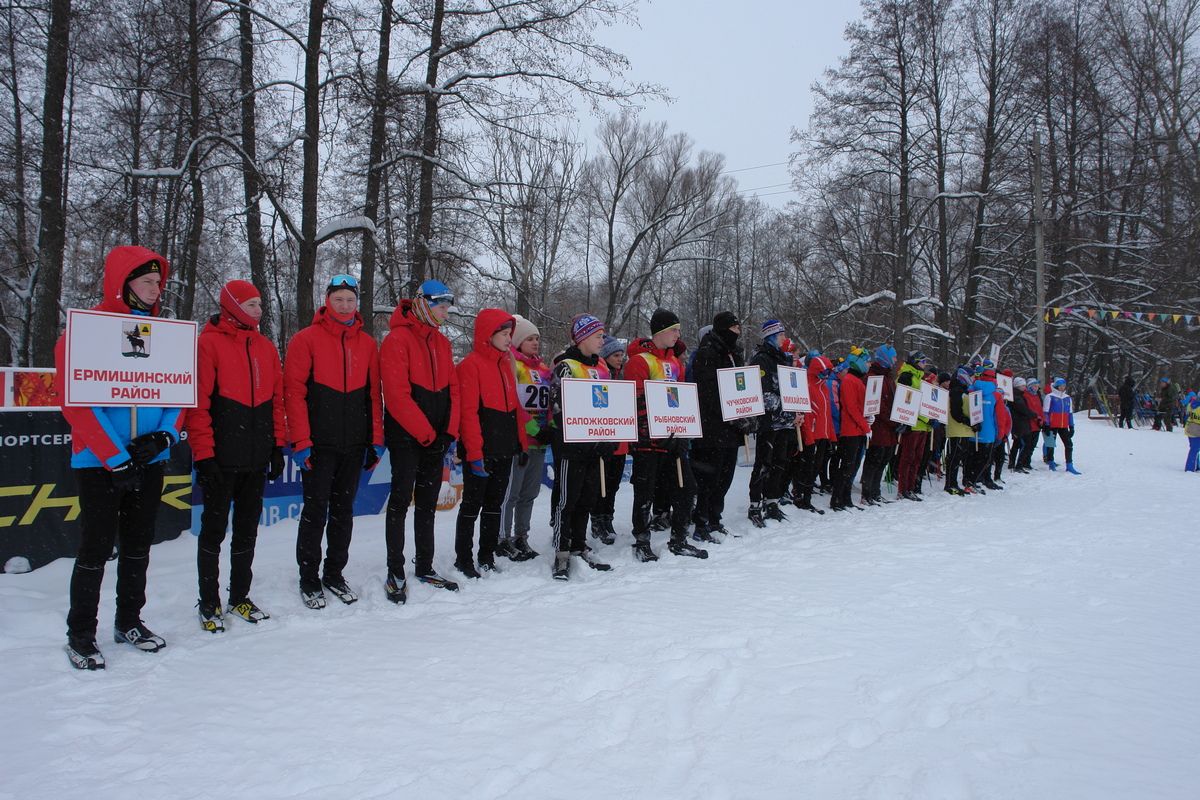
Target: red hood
<point x="488" y="322"/>
<point x="639" y="346"/>
<point x="403" y="316"/>
<point x="120" y="262"/>
<point x="817" y="365"/>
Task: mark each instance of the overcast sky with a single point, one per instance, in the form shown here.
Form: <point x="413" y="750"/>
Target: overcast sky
<point x="740" y="72"/>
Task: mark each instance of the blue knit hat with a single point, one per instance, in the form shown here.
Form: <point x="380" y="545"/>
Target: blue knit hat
<point x="611" y="346"/>
<point x="885" y="356"/>
<point x="772" y="327"/>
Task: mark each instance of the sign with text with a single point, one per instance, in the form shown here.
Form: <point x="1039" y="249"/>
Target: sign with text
<point x="874" y="402"/>
<point x="935" y="403"/>
<point x="741" y="392"/>
<point x="994" y="355"/>
<point x="598" y="410"/>
<point x="793" y="389"/>
<point x="672" y="409"/>
<point x="976" y="407"/>
<point x="126" y="360"/>
<point x="1005" y="384"/>
<point x="906" y="407"/>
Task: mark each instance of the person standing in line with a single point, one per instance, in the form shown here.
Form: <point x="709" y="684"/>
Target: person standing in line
<point x="1022" y="418"/>
<point x="1126" y="396"/>
<point x="1192" y="429"/>
<point x="1060" y="421"/>
<point x="1165" y="416"/>
<point x="817" y="434"/>
<point x="612" y="353"/>
<point x="237" y="434"/>
<point x="421" y="404"/>
<point x="657" y="358"/>
<point x="883" y="440"/>
<point x="525" y="482"/>
<point x="853" y="437"/>
<point x="490" y="437"/>
<point x="1004" y="426"/>
<point x="771" y="446"/>
<point x="714" y="457"/>
<point x="912" y="440"/>
<point x="576" y="464"/>
<point x="335" y="424"/>
<point x="1033" y="399"/>
<point x="119" y="471"/>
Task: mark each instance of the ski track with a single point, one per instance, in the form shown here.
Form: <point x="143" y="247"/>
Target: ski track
<point x="1040" y="642"/>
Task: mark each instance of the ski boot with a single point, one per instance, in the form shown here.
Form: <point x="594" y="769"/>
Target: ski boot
<point x="702" y="534"/>
<point x="660" y="522"/>
<point x="507" y="548"/>
<point x="524" y="551"/>
<point x="313" y="598"/>
<point x="437" y="581"/>
<point x="211" y="619"/>
<point x="396" y="589"/>
<point x="602" y="529"/>
<point x="679" y="546"/>
<point x="562" y="566"/>
<point x="84" y="654"/>
<point x="588" y="558"/>
<point x="467" y="569"/>
<point x="246" y="610"/>
<point x="643" y="553"/>
<point x="755" y="515"/>
<point x="340" y="590"/>
<point x="771" y="510"/>
<point x="139" y="636"/>
<point x="1071" y="469"/>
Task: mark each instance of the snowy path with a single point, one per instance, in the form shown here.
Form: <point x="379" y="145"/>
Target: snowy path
<point x="1041" y="642"/>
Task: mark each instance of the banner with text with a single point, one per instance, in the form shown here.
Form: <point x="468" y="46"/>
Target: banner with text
<point x="907" y="405"/>
<point x="741" y="392"/>
<point x="125" y="360"/>
<point x="793" y="389"/>
<point x="976" y="407"/>
<point x="874" y="401"/>
<point x="599" y="411"/>
<point x="672" y="409"/>
<point x="935" y="403"/>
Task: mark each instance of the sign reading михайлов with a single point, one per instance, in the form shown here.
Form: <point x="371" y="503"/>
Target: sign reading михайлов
<point x="126" y="360"/>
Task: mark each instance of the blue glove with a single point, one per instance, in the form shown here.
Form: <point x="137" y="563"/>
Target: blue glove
<point x="477" y="469"/>
<point x="303" y="457"/>
<point x="373" y="454"/>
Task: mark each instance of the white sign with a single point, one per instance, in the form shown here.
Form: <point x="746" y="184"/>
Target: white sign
<point x="907" y="405"/>
<point x="127" y="360"/>
<point x="874" y="401"/>
<point x="935" y="403"/>
<point x="793" y="389"/>
<point x="741" y="392"/>
<point x="995" y="354"/>
<point x="976" y="408"/>
<point x="598" y="410"/>
<point x="672" y="409"/>
<point x="1005" y="384"/>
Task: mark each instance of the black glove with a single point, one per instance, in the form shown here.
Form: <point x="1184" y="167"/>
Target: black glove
<point x="443" y="441"/>
<point x="145" y="448"/>
<point x="1072" y="430"/>
<point x="523" y="459"/>
<point x="676" y="447"/>
<point x="902" y="429"/>
<point x="977" y="427"/>
<point x="277" y="464"/>
<point x="545" y="436"/>
<point x="371" y="457"/>
<point x="208" y="475"/>
<point x="126" y="477"/>
<point x="744" y="425"/>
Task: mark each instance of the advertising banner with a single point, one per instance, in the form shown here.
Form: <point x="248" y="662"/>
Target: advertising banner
<point x="672" y="409"/>
<point x="123" y="360"/>
<point x="598" y="410"/>
<point x="793" y="389"/>
<point x="741" y="392"/>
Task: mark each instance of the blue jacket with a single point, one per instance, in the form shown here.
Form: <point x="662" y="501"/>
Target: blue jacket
<point x="987" y="434"/>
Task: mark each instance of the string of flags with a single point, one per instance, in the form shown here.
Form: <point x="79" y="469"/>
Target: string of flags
<point x="1148" y="316"/>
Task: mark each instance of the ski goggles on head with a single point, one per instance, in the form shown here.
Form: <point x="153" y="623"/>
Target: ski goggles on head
<point x="439" y="299"/>
<point x="506" y="326"/>
<point x="343" y="282"/>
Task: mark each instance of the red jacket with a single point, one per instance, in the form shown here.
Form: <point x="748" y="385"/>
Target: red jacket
<point x="1035" y="405"/>
<point x="488" y="424"/>
<point x="239" y="417"/>
<point x="331" y="385"/>
<point x="648" y="363"/>
<point x="818" y="423"/>
<point x="854" y="395"/>
<point x="420" y="384"/>
<point x="1003" y="417"/>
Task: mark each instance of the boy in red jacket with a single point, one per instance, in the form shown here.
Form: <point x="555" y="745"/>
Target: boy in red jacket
<point x="420" y="394"/>
<point x="237" y="434"/>
<point x="335" y="424"/>
<point x="490" y="435"/>
<point x="853" y="438"/>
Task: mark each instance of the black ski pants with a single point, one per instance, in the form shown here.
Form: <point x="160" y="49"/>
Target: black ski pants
<point x="110" y="515"/>
<point x="416" y="478"/>
<point x="713" y="468"/>
<point x="810" y="460"/>
<point x="1064" y="435"/>
<point x="614" y="468"/>
<point x="874" y="463"/>
<point x="329" y="491"/>
<point x="772" y="451"/>
<point x="244" y="490"/>
<point x="576" y="490"/>
<point x="652" y="469"/>
<point x="483" y="500"/>
<point x="850" y="450"/>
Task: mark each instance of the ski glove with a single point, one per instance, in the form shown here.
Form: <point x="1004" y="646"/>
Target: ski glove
<point x="676" y="447"/>
<point x="126" y="477"/>
<point x="145" y="448"/>
<point x="902" y="429"/>
<point x="977" y="427"/>
<point x="523" y="459"/>
<point x="544" y="436"/>
<point x="303" y="457"/>
<point x="372" y="456"/>
<point x="443" y="441"/>
<point x="477" y="468"/>
<point x="277" y="464"/>
<point x="208" y="475"/>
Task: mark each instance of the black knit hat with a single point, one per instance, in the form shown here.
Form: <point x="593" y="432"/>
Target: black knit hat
<point x="725" y="320"/>
<point x="662" y="319"/>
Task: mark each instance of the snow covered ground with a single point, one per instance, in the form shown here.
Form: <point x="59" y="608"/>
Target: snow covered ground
<point x="1041" y="642"/>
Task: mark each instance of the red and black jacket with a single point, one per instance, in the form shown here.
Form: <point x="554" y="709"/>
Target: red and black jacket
<point x="239" y="415"/>
<point x="883" y="430"/>
<point x="649" y="363"/>
<point x="853" y="396"/>
<point x="487" y="385"/>
<point x="420" y="384"/>
<point x="331" y="385"/>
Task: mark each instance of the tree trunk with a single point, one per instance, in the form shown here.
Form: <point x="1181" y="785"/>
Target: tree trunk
<point x="375" y="170"/>
<point x="429" y="147"/>
<point x="251" y="184"/>
<point x="52" y="235"/>
<point x="306" y="265"/>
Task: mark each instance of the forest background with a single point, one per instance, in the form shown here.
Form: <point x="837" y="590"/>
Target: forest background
<point x="400" y="141"/>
